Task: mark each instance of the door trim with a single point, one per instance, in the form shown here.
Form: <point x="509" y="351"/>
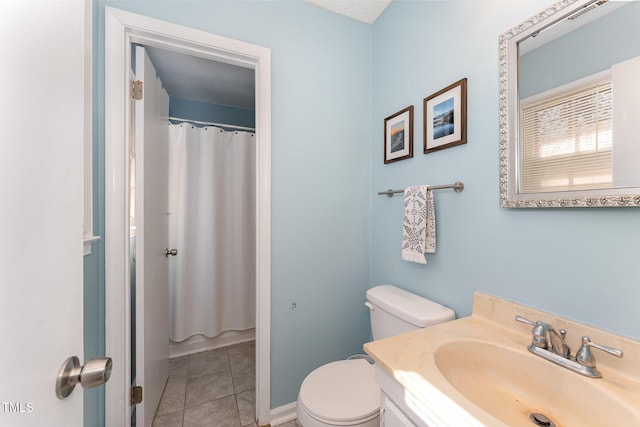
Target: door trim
<point x="121" y="29"/>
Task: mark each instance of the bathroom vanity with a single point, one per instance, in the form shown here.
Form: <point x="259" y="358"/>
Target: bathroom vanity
<point x="394" y="409"/>
<point x="479" y="371"/>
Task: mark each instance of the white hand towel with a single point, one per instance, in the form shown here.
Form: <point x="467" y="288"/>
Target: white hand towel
<point x="418" y="224"/>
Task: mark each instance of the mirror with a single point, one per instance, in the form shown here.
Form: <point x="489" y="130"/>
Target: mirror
<point x="570" y="107"/>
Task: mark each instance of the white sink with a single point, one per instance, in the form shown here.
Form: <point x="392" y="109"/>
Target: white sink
<point x="510" y="385"/>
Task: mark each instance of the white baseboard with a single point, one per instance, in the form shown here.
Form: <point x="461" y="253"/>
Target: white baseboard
<point x="283" y="414"/>
<point x="198" y="343"/>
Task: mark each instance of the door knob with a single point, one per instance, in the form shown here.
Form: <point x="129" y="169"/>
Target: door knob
<point x="94" y="373"/>
<point x="172" y="252"/>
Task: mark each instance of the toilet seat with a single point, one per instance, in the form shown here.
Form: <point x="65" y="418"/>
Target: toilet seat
<point x="341" y="393"/>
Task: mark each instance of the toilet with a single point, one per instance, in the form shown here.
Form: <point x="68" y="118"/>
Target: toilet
<point x="345" y="393"/>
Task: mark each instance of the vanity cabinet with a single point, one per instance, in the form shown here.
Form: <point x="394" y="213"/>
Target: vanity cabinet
<point x="397" y="408"/>
<point x="391" y="415"/>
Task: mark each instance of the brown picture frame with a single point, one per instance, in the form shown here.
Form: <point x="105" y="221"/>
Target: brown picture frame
<point x="398" y="135"/>
<point x="445" y="117"/>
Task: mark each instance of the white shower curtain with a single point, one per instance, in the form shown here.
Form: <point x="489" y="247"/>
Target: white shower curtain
<point x="212" y="225"/>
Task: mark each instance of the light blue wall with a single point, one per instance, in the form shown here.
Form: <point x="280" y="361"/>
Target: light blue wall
<point x="602" y="39"/>
<point x="93" y="331"/>
<point x="206" y="112"/>
<point x="579" y="263"/>
<point x="321" y="138"/>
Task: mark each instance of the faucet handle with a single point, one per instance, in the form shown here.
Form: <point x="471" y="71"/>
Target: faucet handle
<point x="525" y="320"/>
<point x="539" y="332"/>
<point x="584" y="356"/>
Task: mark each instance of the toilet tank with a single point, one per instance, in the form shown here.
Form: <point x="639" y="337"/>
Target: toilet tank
<point x="395" y="311"/>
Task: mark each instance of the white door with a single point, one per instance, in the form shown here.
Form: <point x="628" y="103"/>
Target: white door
<point x="41" y="214"/>
<point x="152" y="237"/>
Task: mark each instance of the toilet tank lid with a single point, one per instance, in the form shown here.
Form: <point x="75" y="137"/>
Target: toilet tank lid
<point x="412" y="308"/>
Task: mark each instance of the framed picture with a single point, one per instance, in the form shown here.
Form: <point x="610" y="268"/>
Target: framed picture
<point x="445" y="117"/>
<point x="398" y="135"/>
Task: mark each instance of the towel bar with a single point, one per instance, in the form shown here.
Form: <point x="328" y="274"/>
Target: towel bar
<point x="457" y="186"/>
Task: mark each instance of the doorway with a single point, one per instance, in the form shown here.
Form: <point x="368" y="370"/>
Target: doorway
<point x="195" y="194"/>
<point x="122" y="30"/>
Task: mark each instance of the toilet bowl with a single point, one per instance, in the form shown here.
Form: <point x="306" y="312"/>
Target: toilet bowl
<point x="342" y="393"/>
<point x="345" y="393"/>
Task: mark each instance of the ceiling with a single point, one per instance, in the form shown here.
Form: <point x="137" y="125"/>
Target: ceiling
<point x="366" y="11"/>
<point x="204" y="80"/>
<point x="215" y="82"/>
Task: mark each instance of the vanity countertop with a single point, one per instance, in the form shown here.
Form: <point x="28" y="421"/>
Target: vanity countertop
<point x="411" y="360"/>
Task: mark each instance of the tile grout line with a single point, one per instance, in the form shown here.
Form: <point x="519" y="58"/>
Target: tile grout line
<point x="233" y="383"/>
<point x="184" y="401"/>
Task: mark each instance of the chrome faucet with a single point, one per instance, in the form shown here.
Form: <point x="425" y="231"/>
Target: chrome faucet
<point x="549" y="344"/>
<point x="547" y="338"/>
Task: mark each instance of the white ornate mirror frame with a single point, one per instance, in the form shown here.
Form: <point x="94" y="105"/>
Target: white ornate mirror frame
<point x="509" y="116"/>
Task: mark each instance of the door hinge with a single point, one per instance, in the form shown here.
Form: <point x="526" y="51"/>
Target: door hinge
<point x="136" y="395"/>
<point x="136" y="90"/>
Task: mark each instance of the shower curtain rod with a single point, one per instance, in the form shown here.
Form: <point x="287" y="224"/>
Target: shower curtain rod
<point x="222" y="125"/>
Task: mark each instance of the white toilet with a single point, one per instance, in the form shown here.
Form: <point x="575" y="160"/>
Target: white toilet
<point x="345" y="393"/>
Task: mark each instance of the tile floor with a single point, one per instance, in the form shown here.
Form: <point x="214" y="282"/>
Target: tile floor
<point x="211" y="388"/>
